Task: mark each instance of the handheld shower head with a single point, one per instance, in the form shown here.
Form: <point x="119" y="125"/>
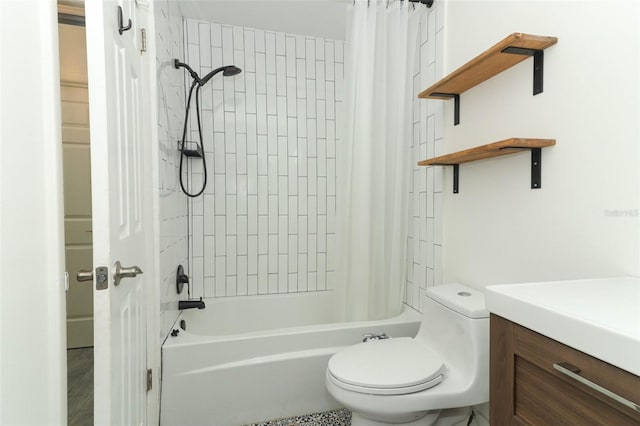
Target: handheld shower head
<point x="231" y="70"/>
<point x="227" y="71"/>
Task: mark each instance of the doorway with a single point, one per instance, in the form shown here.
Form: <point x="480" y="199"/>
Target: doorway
<point x="77" y="212"/>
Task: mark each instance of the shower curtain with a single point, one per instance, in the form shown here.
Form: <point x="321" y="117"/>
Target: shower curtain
<point x="374" y="164"/>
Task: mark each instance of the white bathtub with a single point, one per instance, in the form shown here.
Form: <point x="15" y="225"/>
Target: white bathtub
<point x="254" y="358"/>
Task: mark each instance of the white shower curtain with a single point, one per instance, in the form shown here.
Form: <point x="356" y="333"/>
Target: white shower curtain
<point x="374" y="164"/>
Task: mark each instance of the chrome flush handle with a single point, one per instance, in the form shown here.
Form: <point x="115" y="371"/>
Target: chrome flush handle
<point x="124" y="272"/>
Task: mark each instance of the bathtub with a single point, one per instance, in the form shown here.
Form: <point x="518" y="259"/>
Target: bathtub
<point x="254" y="358"/>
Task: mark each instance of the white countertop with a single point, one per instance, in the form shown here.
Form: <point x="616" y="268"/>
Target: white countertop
<point x="600" y="317"/>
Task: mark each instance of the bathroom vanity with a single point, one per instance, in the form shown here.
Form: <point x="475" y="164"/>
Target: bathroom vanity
<point x="565" y="352"/>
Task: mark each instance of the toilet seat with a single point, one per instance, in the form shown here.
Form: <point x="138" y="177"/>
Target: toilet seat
<point x="386" y="367"/>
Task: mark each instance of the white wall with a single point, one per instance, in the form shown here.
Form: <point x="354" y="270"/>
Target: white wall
<point x="267" y="218"/>
<point x="32" y="299"/>
<point x="172" y="202"/>
<point x="584" y="222"/>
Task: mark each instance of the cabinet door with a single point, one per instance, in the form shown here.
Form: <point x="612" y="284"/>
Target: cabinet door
<point x="527" y="390"/>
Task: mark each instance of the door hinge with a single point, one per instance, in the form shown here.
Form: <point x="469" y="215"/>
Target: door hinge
<point x="143" y="40"/>
<point x="149" y="379"/>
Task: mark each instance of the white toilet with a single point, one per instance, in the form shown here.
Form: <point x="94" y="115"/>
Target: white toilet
<point x="431" y="379"/>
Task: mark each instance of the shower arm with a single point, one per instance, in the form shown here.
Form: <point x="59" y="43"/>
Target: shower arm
<point x="194" y="75"/>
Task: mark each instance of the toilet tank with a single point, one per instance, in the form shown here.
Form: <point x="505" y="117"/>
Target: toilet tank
<point x="455" y="324"/>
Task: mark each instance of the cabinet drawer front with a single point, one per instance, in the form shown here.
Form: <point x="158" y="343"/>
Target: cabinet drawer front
<point x="541" y="398"/>
<point x="527" y="389"/>
<point x="545" y="352"/>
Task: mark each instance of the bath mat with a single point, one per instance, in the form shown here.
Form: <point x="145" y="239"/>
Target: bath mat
<point x="328" y="418"/>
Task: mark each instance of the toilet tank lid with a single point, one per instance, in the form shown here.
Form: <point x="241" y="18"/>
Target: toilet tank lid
<point x="469" y="302"/>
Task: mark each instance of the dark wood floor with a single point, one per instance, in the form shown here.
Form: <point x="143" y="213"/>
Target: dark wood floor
<point x="80" y="387"/>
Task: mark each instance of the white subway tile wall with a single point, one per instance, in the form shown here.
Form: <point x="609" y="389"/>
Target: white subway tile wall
<point x="424" y="244"/>
<point x="173" y="214"/>
<point x="266" y="222"/>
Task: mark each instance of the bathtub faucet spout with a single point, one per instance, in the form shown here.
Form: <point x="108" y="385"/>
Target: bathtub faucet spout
<point x="190" y="304"/>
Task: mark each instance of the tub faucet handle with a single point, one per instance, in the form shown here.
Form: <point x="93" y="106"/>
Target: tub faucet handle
<point x="181" y="279"/>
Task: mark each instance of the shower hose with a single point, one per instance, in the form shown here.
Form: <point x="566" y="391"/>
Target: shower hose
<point x="195" y="85"/>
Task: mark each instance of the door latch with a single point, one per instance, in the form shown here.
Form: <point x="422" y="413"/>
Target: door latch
<point x="102" y="277"/>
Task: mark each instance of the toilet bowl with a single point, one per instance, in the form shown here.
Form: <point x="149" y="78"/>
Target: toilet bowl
<point x="430" y="379"/>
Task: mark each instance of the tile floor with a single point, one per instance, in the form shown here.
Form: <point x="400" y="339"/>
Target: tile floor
<point x="328" y="418"/>
<point x="80" y="387"/>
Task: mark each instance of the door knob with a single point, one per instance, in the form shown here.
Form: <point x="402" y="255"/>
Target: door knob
<point x="122" y="272"/>
<point x="84" y="275"/>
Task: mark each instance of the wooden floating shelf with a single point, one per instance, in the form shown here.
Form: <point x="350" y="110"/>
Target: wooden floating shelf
<point x="488" y="64"/>
<point x="496" y="149"/>
<point x="507" y="53"/>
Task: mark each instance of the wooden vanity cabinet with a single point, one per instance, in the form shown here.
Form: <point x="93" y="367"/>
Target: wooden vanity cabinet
<point x="526" y="389"/>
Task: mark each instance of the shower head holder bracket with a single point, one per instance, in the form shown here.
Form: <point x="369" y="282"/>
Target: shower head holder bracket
<point x="191" y="149"/>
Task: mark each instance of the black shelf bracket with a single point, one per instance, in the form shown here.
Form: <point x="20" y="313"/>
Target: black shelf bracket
<point x="456" y="174"/>
<point x="538" y="64"/>
<point x="536" y="172"/>
<point x="536" y="165"/>
<point x="536" y="168"/>
<point x="456" y="104"/>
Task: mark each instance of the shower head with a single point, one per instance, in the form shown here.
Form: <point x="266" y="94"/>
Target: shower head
<point x="231" y="70"/>
<point x="227" y="71"/>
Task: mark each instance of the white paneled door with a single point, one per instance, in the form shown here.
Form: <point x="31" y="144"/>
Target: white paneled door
<point x="120" y="210"/>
